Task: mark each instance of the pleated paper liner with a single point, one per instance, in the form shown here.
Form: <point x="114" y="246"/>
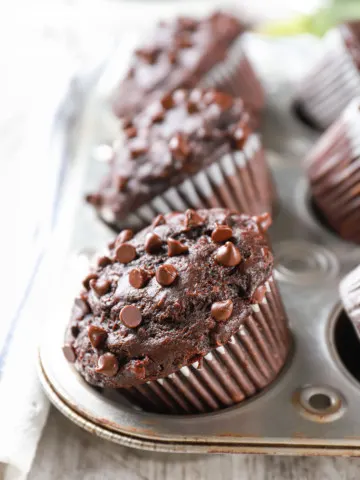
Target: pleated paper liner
<point x="237" y="77"/>
<point x="334" y="173"/>
<point x="229" y="374"/>
<point x="331" y="84"/>
<point x="240" y="180"/>
<point x="350" y="297"/>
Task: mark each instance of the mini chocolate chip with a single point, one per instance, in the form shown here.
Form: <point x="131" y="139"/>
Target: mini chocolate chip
<point x="107" y="365"/>
<point x="131" y="132"/>
<point x="222" y="311"/>
<point x="148" y="55"/>
<point x="223" y="100"/>
<point x="167" y="101"/>
<point x="179" y="146"/>
<point x="130" y="316"/>
<point x="100" y="286"/>
<point x="97" y="335"/>
<point x="192" y="107"/>
<point x="86" y="281"/>
<point x="228" y="255"/>
<point x="264" y="221"/>
<point x="69" y="352"/>
<point x="192" y="219"/>
<point x="159" y="220"/>
<point x="125" y="253"/>
<point x="124" y="236"/>
<point x="259" y="294"/>
<point x="103" y="261"/>
<point x="221" y="233"/>
<point x="138" y="277"/>
<point x="75" y="331"/>
<point x="137" y="148"/>
<point x="175" y="247"/>
<point x="172" y="56"/>
<point x="183" y="41"/>
<point x="153" y="243"/>
<point x="158" y="116"/>
<point x="166" y="274"/>
<point x="121" y="183"/>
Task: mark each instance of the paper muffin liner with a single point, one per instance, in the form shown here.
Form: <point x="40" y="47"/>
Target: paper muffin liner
<point x="228" y="374"/>
<point x="333" y="169"/>
<point x="236" y="76"/>
<point x="240" y="180"/>
<point x="350" y="297"/>
<point x="331" y="84"/>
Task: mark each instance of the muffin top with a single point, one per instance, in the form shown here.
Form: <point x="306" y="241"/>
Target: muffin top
<point x="177" y="55"/>
<point x="171" y="139"/>
<point x="162" y="299"/>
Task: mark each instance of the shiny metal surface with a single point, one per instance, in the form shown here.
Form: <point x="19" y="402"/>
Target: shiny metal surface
<point x="285" y="418"/>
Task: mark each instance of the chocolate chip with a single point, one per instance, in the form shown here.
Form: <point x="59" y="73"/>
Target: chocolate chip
<point x="228" y="255"/>
<point x="125" y="253"/>
<point x="179" y="146"/>
<point x="172" y="56"/>
<point x="166" y="274"/>
<point x="121" y="183"/>
<point x="264" y="221"/>
<point x="167" y="101"/>
<point x="69" y="352"/>
<point x="223" y="100"/>
<point x="95" y="199"/>
<point x="238" y="138"/>
<point x="192" y="219"/>
<point x="259" y="294"/>
<point x="159" y="220"/>
<point x="153" y="243"/>
<point x="130" y="316"/>
<point x="175" y="247"/>
<point x="131" y="132"/>
<point x="126" y="122"/>
<point x="183" y="41"/>
<point x="221" y="233"/>
<point x="138" y="277"/>
<point x="148" y="55"/>
<point x="86" y="281"/>
<point x="124" y="236"/>
<point x="222" y="311"/>
<point x="97" y="335"/>
<point x="158" y="116"/>
<point x="192" y="107"/>
<point x="107" y="365"/>
<point x="137" y="148"/>
<point x="103" y="261"/>
<point x="100" y="286"/>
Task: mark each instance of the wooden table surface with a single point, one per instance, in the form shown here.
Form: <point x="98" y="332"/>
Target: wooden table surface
<point x="68" y="453"/>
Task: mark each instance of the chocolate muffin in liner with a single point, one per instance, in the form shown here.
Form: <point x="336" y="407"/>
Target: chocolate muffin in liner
<point x="217" y="162"/>
<point x="183" y="317"/>
<point x="350" y="297"/>
<point x="333" y="169"/>
<point x="229" y="374"/>
<point x="189" y="53"/>
<point x="334" y="80"/>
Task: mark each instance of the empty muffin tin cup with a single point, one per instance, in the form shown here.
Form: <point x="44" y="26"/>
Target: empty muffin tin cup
<point x="229" y="374"/>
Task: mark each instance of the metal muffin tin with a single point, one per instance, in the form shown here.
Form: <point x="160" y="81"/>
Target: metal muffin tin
<point x="312" y="408"/>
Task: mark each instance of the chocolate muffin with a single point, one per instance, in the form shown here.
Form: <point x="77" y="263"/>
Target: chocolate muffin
<point x="334" y="80"/>
<point x="333" y="169"/>
<point x="184" y="316"/>
<point x="350" y="297"/>
<point x="190" y="149"/>
<point x="187" y="53"/>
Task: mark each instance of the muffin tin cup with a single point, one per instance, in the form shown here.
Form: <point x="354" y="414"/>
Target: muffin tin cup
<point x="228" y="374"/>
<point x="236" y="76"/>
<point x="334" y="172"/>
<point x="240" y="180"/>
<point x="350" y="296"/>
<point x="331" y="84"/>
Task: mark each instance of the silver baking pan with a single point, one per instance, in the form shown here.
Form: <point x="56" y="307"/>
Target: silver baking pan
<point x="312" y="408"/>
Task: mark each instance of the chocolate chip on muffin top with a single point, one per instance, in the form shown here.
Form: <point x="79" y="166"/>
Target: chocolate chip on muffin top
<point x="163" y="308"/>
